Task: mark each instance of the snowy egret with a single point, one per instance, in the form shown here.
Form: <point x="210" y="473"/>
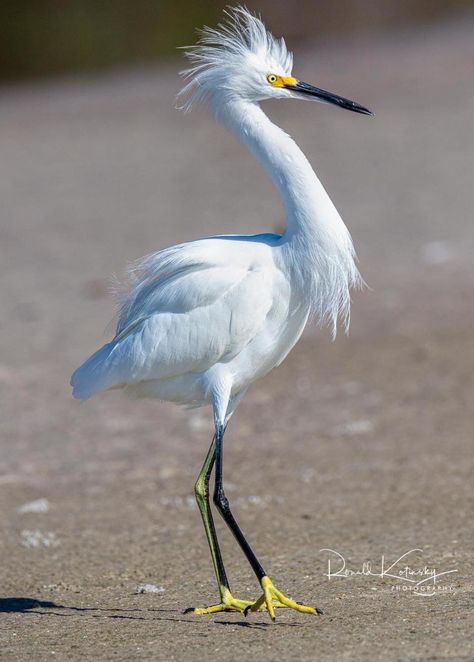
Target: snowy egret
<point x="203" y="320"/>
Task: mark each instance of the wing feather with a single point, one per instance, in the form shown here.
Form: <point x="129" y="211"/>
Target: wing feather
<point x="189" y="307"/>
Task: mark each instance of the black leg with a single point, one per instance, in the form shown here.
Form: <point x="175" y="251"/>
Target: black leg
<point x="222" y="504"/>
<point x="201" y="489"/>
<point x="271" y="597"/>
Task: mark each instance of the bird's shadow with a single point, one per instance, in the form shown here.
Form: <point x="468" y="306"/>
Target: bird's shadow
<point x="22" y="605"/>
<point x="49" y="608"/>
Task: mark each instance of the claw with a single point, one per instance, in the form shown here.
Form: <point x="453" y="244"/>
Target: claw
<point x="317" y="609"/>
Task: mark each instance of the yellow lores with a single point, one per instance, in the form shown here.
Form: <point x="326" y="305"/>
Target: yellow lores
<point x="281" y="81"/>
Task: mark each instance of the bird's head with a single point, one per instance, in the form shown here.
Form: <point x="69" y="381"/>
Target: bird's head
<point x="240" y="59"/>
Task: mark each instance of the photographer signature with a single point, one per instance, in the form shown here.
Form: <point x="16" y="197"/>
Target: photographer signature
<point x="422" y="580"/>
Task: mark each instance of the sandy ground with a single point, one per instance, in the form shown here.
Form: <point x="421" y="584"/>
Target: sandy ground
<point x="363" y="447"/>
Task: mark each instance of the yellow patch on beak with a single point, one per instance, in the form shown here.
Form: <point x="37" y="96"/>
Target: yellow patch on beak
<point x="281" y="81"/>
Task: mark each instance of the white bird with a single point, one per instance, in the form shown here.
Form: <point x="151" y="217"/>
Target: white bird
<point x="203" y="320"/>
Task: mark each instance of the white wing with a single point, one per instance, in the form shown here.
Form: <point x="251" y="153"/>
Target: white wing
<point x="191" y="306"/>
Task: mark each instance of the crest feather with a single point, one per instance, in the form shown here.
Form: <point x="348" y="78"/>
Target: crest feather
<point x="242" y="38"/>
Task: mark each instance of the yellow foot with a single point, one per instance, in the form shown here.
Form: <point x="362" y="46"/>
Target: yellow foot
<point x="272" y="597"/>
<point x="229" y="603"/>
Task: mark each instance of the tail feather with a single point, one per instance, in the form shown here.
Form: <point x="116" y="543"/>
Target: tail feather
<point x="94" y="375"/>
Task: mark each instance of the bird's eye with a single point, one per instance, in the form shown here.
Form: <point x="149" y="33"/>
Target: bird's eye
<point x="272" y="78"/>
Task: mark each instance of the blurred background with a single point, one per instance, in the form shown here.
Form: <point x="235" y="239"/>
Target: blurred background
<point x="371" y="436"/>
<point x="44" y="37"/>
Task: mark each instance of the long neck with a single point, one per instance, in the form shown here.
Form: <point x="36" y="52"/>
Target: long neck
<point x="309" y="210"/>
<point x="319" y="244"/>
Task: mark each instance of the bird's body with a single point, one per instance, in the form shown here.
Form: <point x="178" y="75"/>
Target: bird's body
<point x="203" y="320"/>
<point x="230" y="308"/>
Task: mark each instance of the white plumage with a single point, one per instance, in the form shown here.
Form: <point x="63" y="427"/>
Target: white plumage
<point x="205" y="319"/>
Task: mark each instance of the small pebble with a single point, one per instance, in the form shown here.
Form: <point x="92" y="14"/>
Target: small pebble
<point x="149" y="588"/>
<point x="38" y="506"/>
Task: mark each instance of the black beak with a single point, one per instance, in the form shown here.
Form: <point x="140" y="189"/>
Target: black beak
<point x="328" y="97"/>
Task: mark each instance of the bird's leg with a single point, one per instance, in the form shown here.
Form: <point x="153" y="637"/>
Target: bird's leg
<point x="201" y="490"/>
<point x="271" y="596"/>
